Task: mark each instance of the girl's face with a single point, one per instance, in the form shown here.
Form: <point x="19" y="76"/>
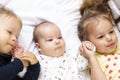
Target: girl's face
<point x="102" y="34"/>
<point x="9" y="30"/>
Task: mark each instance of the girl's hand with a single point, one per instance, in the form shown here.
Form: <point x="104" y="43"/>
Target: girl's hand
<point x="87" y="48"/>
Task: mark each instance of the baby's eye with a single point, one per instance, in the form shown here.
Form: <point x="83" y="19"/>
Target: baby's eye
<point x="16" y="37"/>
<point x="60" y="37"/>
<point x="50" y="40"/>
<point x="100" y="37"/>
<point x="9" y="32"/>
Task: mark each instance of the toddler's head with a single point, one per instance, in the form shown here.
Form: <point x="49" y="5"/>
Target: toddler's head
<point x="99" y="29"/>
<point x="49" y="40"/>
<point x="10" y="26"/>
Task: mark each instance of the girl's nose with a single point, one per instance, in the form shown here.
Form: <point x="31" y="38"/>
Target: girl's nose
<point x="108" y="37"/>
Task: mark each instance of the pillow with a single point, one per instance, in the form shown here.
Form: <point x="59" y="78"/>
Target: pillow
<point x="115" y="8"/>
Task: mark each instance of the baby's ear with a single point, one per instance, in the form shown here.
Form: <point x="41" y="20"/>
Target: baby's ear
<point x="38" y="46"/>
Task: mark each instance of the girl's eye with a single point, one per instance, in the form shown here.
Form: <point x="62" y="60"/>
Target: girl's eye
<point x="111" y="32"/>
<point x="100" y="37"/>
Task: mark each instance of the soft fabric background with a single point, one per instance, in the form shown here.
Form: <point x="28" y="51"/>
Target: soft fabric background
<point x="64" y="13"/>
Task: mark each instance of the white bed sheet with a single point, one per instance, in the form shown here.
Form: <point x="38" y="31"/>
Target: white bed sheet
<point x="64" y="13"/>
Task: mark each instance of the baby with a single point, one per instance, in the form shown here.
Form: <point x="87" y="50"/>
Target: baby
<point x="10" y="26"/>
<point x="56" y="63"/>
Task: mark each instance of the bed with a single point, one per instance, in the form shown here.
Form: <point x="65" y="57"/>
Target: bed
<point x="64" y="13"/>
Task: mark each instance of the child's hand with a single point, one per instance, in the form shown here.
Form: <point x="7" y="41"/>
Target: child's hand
<point x="27" y="55"/>
<point x="17" y="53"/>
<point x="87" y="49"/>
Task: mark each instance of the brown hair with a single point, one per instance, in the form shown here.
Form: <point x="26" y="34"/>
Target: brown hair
<point x="90" y="16"/>
<point x="99" y="5"/>
<point x="92" y="3"/>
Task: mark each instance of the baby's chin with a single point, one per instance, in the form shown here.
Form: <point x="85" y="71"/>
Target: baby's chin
<point x="59" y="53"/>
<point x="6" y="52"/>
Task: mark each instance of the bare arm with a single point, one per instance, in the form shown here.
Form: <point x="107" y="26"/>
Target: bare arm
<point x="96" y="71"/>
<point x="87" y="49"/>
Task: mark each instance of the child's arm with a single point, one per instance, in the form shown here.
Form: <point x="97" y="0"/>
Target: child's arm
<point x="30" y="60"/>
<point x="17" y="52"/>
<point x="33" y="69"/>
<point x="88" y="50"/>
<point x="10" y="71"/>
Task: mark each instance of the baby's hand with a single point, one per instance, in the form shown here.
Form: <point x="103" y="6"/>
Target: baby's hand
<point x="27" y="55"/>
<point x="17" y="53"/>
<point x="87" y="48"/>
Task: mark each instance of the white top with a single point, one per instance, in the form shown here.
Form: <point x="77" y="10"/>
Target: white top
<point x="66" y="67"/>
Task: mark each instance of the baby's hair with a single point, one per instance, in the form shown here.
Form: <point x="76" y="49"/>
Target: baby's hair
<point x="8" y="13"/>
<point x="92" y="3"/>
<point x="35" y="38"/>
<point x="89" y="17"/>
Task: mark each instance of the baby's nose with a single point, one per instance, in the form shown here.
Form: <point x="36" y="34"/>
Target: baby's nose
<point x="14" y="38"/>
<point x="57" y="41"/>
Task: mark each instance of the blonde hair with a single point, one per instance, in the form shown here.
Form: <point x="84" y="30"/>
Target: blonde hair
<point x="35" y="34"/>
<point x="8" y="13"/>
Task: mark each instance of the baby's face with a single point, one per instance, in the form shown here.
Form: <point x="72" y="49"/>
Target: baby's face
<point x="9" y="30"/>
<point x="51" y="42"/>
<point x="103" y="36"/>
